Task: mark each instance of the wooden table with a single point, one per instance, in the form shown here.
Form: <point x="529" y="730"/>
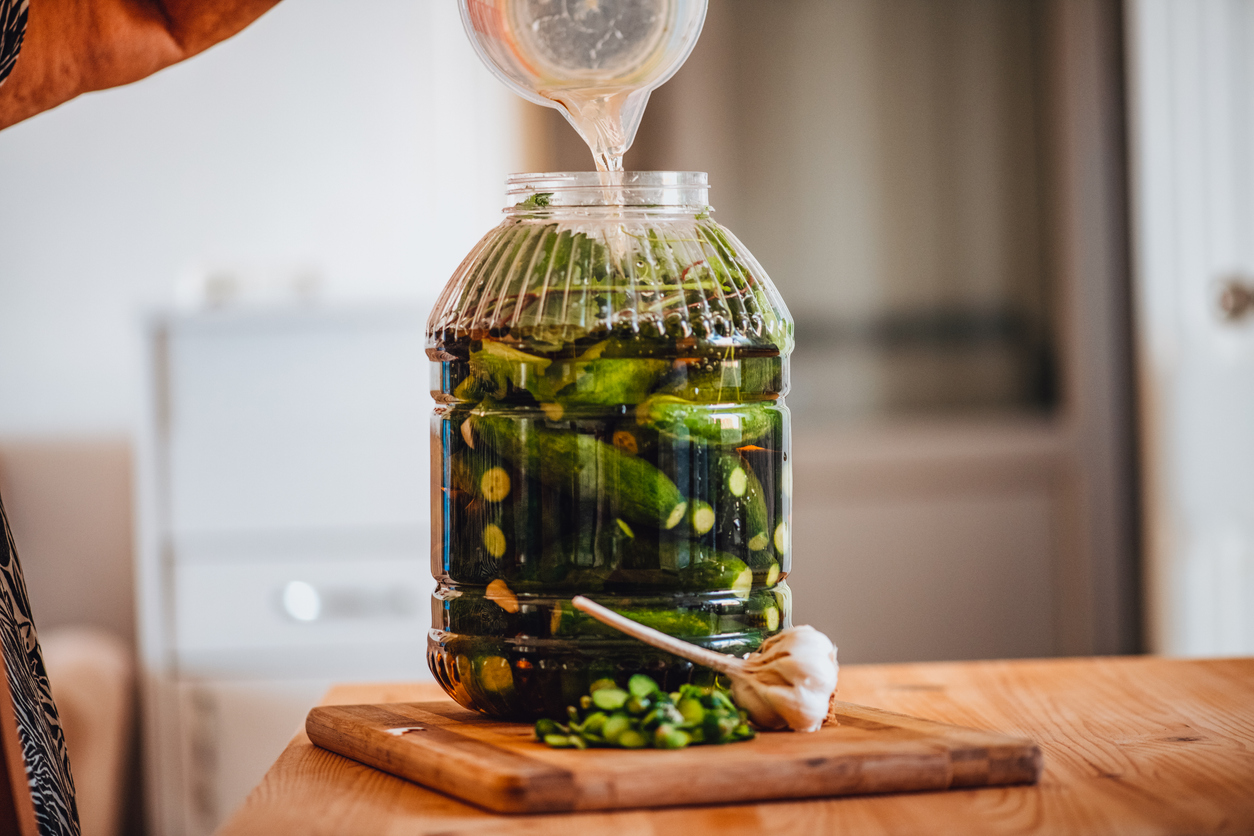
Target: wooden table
<point x="1132" y="745"/>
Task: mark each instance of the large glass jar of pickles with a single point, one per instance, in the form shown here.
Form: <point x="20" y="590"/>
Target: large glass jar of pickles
<point x="609" y="367"/>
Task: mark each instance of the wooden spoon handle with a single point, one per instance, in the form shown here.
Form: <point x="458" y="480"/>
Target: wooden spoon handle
<point x="721" y="662"/>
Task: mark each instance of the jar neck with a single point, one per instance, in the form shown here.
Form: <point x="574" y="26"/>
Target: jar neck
<point x="592" y="194"/>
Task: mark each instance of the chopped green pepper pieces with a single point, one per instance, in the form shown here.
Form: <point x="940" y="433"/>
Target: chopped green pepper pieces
<point x="669" y="737"/>
<point x="615" y="726"/>
<point x="641" y="686"/>
<point x="632" y="739"/>
<point x="643" y="715"/>
<point x="610" y="699"/>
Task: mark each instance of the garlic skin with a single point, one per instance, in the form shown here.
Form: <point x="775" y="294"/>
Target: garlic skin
<point x="789" y="681"/>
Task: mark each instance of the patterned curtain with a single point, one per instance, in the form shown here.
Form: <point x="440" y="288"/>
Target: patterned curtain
<point x="12" y="28"/>
<point x="38" y="726"/>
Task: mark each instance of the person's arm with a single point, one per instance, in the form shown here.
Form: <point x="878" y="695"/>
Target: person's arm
<point x="76" y="46"/>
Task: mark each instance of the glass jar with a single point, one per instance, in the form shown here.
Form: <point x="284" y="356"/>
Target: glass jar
<point x="609" y="367"/>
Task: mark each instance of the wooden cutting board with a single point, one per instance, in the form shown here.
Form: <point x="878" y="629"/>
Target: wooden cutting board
<point x="502" y="767"/>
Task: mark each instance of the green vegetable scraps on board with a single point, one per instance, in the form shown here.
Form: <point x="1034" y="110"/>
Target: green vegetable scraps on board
<point x="642" y="715"/>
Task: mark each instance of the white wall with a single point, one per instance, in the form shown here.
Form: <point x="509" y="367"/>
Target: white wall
<point x="361" y="141"/>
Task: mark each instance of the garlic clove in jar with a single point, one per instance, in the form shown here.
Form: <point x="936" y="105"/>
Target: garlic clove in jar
<point x="787" y="683"/>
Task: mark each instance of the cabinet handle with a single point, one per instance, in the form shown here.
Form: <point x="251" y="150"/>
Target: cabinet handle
<point x="1236" y="299"/>
<point x="304" y="602"/>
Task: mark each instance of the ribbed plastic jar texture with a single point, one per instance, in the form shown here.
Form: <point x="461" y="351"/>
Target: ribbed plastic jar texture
<point x="609" y="366"/>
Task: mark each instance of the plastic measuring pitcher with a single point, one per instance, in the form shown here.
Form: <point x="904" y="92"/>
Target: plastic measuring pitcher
<point x="596" y="61"/>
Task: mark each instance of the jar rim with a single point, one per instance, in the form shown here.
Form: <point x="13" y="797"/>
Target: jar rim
<point x="659" y="189"/>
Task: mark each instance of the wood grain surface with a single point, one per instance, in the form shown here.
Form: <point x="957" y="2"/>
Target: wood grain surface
<point x="501" y="766"/>
<point x="1131" y="745"/>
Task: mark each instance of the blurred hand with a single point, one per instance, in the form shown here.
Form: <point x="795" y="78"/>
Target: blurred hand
<point x="76" y="46"/>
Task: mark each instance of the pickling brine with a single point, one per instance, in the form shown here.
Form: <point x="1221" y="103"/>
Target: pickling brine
<point x="596" y="61"/>
<point x="610" y="371"/>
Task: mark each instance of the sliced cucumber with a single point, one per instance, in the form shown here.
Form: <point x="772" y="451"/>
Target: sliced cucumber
<point x="494" y="540"/>
<point x="701" y="517"/>
<point x="772" y="574"/>
<point x="494" y="484"/>
<point x="495" y="675"/>
<point x="477" y="473"/>
<point x="781" y="537"/>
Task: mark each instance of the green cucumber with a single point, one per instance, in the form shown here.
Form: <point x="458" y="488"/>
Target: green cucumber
<point x="473" y="614"/>
<point x="762" y="612"/>
<point x="563" y="373"/>
<point x="566" y="621"/>
<point x="744" y="520"/>
<point x="757" y="526"/>
<point x="731" y="475"/>
<point x="463" y="474"/>
<point x="496" y="365"/>
<point x="725" y="381"/>
<point x="719" y="572"/>
<point x="613" y="381"/>
<point x="475" y="388"/>
<point x="708" y="381"/>
<point x="638" y="491"/>
<point x="682" y="418"/>
<point x="593" y="380"/>
<point x="761" y="376"/>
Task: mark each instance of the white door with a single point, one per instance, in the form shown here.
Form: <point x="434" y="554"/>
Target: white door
<point x="1191" y="77"/>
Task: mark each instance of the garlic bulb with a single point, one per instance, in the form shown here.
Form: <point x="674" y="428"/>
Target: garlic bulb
<point x="787" y="683"/>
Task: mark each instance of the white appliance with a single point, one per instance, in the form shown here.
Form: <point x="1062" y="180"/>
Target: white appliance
<point x="283" y="535"/>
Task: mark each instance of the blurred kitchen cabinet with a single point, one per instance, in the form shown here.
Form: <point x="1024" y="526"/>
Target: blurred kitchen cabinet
<point x="283" y="535"/>
<point x="1191" y="77"/>
<point x="933" y="541"/>
<point x="937" y="188"/>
